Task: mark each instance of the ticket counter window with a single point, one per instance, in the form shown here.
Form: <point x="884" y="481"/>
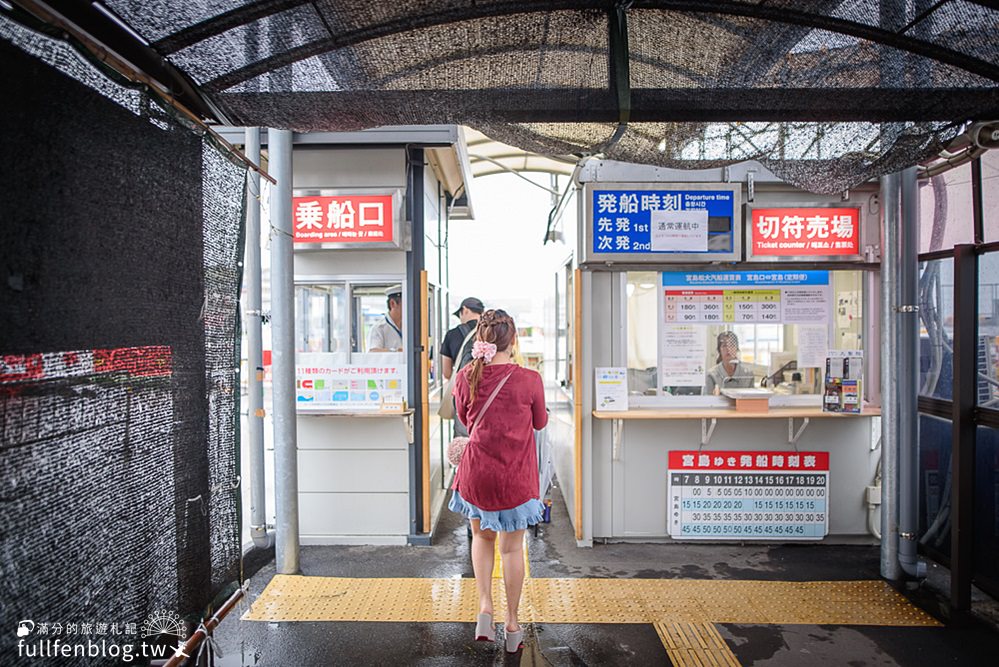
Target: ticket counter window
<point x="370" y="310"/>
<point x="321" y="318"/>
<point x="707" y="357"/>
<point x="338" y="317"/>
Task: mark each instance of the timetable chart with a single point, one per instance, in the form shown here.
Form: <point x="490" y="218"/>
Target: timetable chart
<point x="748" y="495"/>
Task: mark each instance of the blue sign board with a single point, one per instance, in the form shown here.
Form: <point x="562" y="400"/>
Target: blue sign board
<point x="621" y="219"/>
<point x="737" y="279"/>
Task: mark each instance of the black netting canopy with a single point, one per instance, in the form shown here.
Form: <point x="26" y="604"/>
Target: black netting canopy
<point x="875" y="86"/>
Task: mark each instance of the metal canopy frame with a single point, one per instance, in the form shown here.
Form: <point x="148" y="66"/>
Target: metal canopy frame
<point x="787" y="23"/>
<point x="779" y="14"/>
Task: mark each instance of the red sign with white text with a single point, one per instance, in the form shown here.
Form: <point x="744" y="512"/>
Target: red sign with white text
<point x="748" y="460"/>
<point x="805" y="231"/>
<point x="342" y="219"/>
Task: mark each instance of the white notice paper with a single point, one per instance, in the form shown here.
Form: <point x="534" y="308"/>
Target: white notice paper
<point x="682" y="355"/>
<point x="813" y="344"/>
<point x="802" y="304"/>
<point x="612" y="388"/>
<point x="680" y="231"/>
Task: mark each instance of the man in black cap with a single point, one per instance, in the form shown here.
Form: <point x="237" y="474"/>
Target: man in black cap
<point x="456" y="350"/>
<point x="468" y="312"/>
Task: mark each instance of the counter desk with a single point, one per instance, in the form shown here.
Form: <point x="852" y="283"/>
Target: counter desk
<point x="353" y="476"/>
<point x="631" y="451"/>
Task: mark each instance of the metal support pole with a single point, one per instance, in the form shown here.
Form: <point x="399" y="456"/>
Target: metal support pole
<point x="415" y="263"/>
<point x="283" y="370"/>
<point x="890" y="70"/>
<point x="890" y="568"/>
<point x="255" y="353"/>
<point x="907" y="385"/>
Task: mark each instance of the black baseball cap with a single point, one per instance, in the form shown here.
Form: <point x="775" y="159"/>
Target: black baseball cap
<point x="473" y="304"/>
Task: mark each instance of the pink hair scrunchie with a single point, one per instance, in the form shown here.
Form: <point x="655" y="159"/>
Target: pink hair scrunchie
<point x="481" y="350"/>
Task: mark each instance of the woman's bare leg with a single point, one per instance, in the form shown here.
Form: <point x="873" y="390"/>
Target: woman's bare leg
<point x="483" y="545"/>
<point x="511" y="546"/>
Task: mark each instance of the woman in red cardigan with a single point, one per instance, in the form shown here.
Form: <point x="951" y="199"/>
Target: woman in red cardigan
<point x="496" y="485"/>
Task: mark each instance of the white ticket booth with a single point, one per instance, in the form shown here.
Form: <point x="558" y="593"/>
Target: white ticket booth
<point x="370" y="210"/>
<point x="719" y="311"/>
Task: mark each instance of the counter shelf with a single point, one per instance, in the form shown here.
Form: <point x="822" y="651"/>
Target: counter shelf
<point x="407" y="415"/>
<point x="709" y="418"/>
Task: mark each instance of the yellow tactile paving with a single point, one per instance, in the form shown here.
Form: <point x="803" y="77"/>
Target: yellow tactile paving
<point x="695" y="645"/>
<point x="298" y="598"/>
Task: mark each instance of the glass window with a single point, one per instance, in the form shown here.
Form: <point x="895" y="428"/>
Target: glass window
<point x="555" y="321"/>
<point x="990" y="195"/>
<point x="435" y="337"/>
<point x="946" y="217"/>
<point x="986" y="532"/>
<point x="324" y="323"/>
<point x="988" y="331"/>
<point x="934" y="485"/>
<point x="566" y="325"/>
<point x="321" y="318"/>
<point x="936" y="330"/>
<point x="643" y="308"/>
<point x="370" y="309"/>
<point x="737" y="355"/>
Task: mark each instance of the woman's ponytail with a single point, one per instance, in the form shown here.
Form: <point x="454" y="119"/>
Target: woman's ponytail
<point x="495" y="327"/>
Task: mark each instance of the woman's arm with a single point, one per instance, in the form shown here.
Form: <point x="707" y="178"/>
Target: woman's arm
<point x="538" y="413"/>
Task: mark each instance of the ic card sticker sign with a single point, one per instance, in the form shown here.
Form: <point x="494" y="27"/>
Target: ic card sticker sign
<point x="323" y="384"/>
<point x="611" y="389"/>
<point x="748" y="495"/>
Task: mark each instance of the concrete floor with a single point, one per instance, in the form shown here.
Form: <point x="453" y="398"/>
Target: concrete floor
<point x="553" y="553"/>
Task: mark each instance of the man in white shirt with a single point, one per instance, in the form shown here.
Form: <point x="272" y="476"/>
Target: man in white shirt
<point x="386" y="335"/>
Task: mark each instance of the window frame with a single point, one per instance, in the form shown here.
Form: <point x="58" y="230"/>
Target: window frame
<point x="662" y="399"/>
<point x="350" y="282"/>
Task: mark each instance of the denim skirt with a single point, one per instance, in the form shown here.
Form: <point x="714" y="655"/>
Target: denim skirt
<point x="504" y="521"/>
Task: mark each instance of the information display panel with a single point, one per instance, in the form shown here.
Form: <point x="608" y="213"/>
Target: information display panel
<point x="748" y="495"/>
<point x="661" y="222"/>
<point x="746" y="297"/>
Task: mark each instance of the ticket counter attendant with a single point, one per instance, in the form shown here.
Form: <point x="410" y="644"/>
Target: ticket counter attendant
<point x="730" y="373"/>
<point x="386" y="335"/>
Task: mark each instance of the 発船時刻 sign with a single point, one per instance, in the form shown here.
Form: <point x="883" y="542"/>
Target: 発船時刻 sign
<point x="662" y="222"/>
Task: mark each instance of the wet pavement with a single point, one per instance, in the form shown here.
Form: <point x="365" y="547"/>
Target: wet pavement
<point x="553" y="554"/>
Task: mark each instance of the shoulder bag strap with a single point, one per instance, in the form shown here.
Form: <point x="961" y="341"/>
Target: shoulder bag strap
<point x="461" y="350"/>
<point x="489" y="401"/>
